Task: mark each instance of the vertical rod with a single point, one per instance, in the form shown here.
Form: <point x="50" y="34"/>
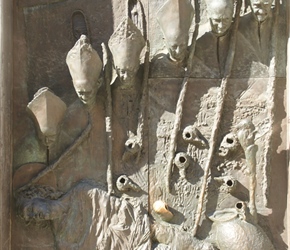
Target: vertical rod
<point x="180" y="102"/>
<point x="108" y="120"/>
<point x="271" y="91"/>
<point x="143" y="103"/>
<point x="288" y="119"/>
<point x="219" y="110"/>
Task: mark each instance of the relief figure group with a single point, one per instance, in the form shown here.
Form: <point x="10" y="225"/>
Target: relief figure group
<point x="141" y="159"/>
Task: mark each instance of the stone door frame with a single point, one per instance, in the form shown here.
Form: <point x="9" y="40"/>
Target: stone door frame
<point x="6" y="83"/>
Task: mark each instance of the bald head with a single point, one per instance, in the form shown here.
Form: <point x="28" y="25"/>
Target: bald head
<point x="220" y="14"/>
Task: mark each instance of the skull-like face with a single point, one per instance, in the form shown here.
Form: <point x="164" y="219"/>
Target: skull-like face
<point x="192" y="135"/>
<point x="181" y="161"/>
<point x="227" y="183"/>
<point x="124" y="184"/>
<point x="229" y="144"/>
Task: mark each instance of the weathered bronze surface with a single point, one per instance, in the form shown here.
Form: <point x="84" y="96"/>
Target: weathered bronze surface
<point x="150" y="125"/>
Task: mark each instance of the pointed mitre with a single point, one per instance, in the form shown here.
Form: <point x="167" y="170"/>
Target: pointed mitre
<point x="83" y="61"/>
<point x="47" y="110"/>
<point x="175" y="18"/>
<point x="126" y="44"/>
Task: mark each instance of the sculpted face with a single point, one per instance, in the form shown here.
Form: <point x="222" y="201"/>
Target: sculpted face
<point x="86" y="90"/>
<point x="261" y="9"/>
<point x="127" y="73"/>
<point x="220" y="15"/>
<point x="126" y="44"/>
<point x="85" y="67"/>
<point x="177" y="48"/>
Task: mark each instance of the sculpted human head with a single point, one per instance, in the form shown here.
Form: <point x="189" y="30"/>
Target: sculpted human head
<point x="220" y="15"/>
<point x="127" y="74"/>
<point x="85" y="66"/>
<point x="126" y="44"/>
<point x="86" y="90"/>
<point x="175" y="18"/>
<point x="177" y="47"/>
<point x="261" y="9"/>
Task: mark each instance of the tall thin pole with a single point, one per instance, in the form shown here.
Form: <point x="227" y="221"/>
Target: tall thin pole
<point x="180" y="102"/>
<point x="288" y="117"/>
<point x="272" y="83"/>
<point x="219" y="110"/>
<point x="143" y="103"/>
<point x="108" y="119"/>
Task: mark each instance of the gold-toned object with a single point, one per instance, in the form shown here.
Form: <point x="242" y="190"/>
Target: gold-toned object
<point x="161" y="208"/>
